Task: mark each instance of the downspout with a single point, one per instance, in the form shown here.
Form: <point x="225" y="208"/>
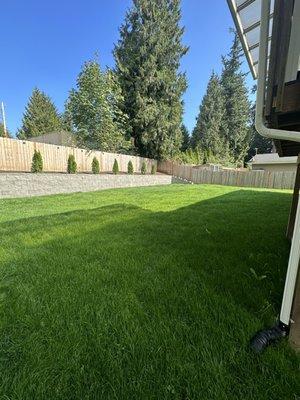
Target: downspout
<point x="263" y="338"/>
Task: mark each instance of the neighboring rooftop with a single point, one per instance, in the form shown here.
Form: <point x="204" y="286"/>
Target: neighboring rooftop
<point x="272" y="158"/>
<point x="61" y="138"/>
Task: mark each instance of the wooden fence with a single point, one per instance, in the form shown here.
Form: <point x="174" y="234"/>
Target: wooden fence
<point x="251" y="178"/>
<point x="16" y="155"/>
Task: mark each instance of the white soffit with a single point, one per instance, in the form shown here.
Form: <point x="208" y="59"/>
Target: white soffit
<point x="246" y="16"/>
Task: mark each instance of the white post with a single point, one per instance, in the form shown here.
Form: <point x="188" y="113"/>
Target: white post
<point x="3" y="118"/>
<point x="291" y="275"/>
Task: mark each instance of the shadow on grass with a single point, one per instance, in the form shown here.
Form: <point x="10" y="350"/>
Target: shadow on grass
<point x="120" y="302"/>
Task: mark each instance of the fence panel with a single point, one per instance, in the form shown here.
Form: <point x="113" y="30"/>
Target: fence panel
<point x="16" y="155"/>
<point x="259" y="179"/>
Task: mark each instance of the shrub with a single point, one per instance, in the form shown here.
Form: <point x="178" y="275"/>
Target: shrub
<point x="130" y="167"/>
<point x="95" y="166"/>
<point x="190" y="156"/>
<point x="72" y="166"/>
<point x="153" y="169"/>
<point x="37" y="162"/>
<point x="144" y="168"/>
<point x="115" y="169"/>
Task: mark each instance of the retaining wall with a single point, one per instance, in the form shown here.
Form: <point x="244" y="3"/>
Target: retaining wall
<point x="28" y="184"/>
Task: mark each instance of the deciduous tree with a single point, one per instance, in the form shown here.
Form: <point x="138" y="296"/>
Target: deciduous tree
<point x="93" y="109"/>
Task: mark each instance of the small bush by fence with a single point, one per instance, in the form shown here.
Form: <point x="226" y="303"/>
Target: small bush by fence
<point x="259" y="179"/>
<point x="16" y="155"/>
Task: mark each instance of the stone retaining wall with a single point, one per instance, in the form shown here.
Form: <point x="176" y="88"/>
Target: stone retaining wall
<point x="28" y="184"/>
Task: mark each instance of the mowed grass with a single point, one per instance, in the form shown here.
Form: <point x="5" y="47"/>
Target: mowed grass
<point x="144" y="293"/>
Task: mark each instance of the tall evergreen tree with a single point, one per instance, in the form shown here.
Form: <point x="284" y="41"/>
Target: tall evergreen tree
<point x="147" y="58"/>
<point x="207" y="134"/>
<point x="93" y="109"/>
<point x="40" y="117"/>
<point x="2" y="132"/>
<point x="186" y="139"/>
<point x="235" y="125"/>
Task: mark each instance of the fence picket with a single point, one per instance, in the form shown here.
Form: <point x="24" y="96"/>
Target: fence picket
<point x="16" y="155"/>
<point x="260" y="179"/>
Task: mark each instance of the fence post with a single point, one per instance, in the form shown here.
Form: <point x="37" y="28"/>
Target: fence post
<point x="292" y="216"/>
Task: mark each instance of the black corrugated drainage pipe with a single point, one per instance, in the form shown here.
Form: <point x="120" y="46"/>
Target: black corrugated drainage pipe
<point x="262" y="339"/>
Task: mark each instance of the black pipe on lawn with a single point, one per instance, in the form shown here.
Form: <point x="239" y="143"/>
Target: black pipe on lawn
<point x="262" y="339"/>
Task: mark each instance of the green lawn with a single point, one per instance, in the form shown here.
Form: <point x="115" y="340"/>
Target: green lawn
<point x="144" y="293"/>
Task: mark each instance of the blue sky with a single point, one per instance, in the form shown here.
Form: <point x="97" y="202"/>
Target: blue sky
<point x="44" y="44"/>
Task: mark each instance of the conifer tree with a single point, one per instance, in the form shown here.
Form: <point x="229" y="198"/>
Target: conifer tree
<point x="147" y="58"/>
<point x="186" y="140"/>
<point x="2" y="132"/>
<point x="235" y="124"/>
<point x="72" y="165"/>
<point x="40" y="117"/>
<point x="94" y="110"/>
<point x="207" y="134"/>
<point x="130" y="167"/>
<point x="95" y="166"/>
<point x="37" y="162"/>
<point x="115" y="168"/>
<point x="143" y="168"/>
